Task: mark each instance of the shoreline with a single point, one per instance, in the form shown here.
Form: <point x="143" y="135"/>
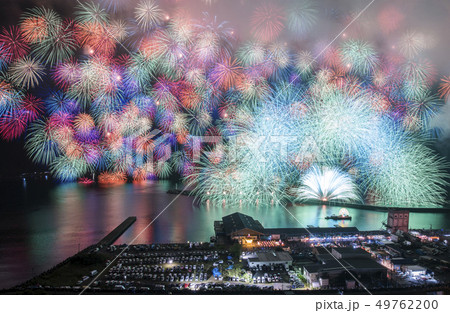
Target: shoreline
<point x="349" y="205"/>
<point x="375" y="207"/>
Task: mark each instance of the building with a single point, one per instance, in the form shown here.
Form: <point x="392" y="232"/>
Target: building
<point x="245" y="229"/>
<point x="414" y="270"/>
<point x="399" y="264"/>
<point x="394" y="249"/>
<point x="298" y="234"/>
<point x="398" y="220"/>
<point x="268" y="258"/>
<point x="333" y="269"/>
<point x="241" y="227"/>
<point x="349" y="252"/>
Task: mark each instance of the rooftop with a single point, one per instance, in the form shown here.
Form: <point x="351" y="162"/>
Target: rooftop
<point x="354" y="252"/>
<point x="271" y="256"/>
<point x="403" y="261"/>
<point x="342" y="264"/>
<point x="238" y="221"/>
<point x="315" y="231"/>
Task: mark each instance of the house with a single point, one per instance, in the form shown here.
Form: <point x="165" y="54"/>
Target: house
<point x="242" y="227"/>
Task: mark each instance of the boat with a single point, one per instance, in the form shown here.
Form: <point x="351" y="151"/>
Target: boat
<point x="338" y="217"/>
<point x="343" y="215"/>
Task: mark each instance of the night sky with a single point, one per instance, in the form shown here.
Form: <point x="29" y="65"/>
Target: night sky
<point x="429" y="16"/>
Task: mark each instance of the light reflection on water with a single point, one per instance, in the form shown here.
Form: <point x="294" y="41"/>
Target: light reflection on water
<point x="42" y="224"/>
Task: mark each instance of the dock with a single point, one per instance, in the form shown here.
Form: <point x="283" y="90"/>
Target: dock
<point x="117" y="232"/>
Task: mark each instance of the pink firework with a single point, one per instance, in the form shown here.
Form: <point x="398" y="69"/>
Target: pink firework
<point x="444" y="87"/>
<point x="33" y="107"/>
<point x="163" y="94"/>
<point x="66" y="73"/>
<point x="13" y="124"/>
<point x="190" y="96"/>
<point x="226" y="73"/>
<point x="227" y="110"/>
<point x="60" y="119"/>
<point x="13" y="41"/>
<point x="34" y="29"/>
<point x="267" y="22"/>
<point x="85" y="181"/>
<point x="155" y="45"/>
<point x="84" y="123"/>
<point x="390" y="19"/>
<point x="97" y="38"/>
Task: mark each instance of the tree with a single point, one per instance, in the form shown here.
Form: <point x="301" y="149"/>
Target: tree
<point x="248" y="276"/>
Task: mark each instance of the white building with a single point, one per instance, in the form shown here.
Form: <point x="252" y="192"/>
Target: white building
<point x="415" y="270"/>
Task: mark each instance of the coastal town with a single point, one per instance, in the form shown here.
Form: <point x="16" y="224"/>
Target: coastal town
<point x="245" y="257"/>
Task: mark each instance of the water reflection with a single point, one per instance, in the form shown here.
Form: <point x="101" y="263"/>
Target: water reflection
<point x="42" y="224"/>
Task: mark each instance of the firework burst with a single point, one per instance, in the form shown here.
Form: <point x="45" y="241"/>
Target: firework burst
<point x="267" y="22"/>
<point x="26" y="72"/>
<point x="130" y="93"/>
<point x="328" y="184"/>
<point x="148" y="14"/>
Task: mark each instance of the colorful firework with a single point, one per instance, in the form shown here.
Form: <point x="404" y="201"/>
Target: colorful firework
<point x="251" y="53"/>
<point x="267" y="22"/>
<point x="91" y="13"/>
<point x="37" y="23"/>
<point x="359" y="57"/>
<point x="58" y="45"/>
<point x="226" y="74"/>
<point x="331" y="129"/>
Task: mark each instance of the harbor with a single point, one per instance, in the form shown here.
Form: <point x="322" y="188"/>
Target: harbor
<point x="243" y="256"/>
<point x="60" y="220"/>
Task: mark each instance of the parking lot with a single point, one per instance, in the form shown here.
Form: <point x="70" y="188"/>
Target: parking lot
<point x="175" y="267"/>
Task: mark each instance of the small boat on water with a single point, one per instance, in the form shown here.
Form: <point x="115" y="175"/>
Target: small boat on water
<point x="338" y="217"/>
<point x="343" y="215"/>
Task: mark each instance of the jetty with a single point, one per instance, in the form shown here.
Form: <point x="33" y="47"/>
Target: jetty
<point x="117" y="232"/>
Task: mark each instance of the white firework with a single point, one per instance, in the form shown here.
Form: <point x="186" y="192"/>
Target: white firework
<point x="304" y="63"/>
<point x="148" y="14"/>
<point x="328" y="184"/>
<point x="26" y="72"/>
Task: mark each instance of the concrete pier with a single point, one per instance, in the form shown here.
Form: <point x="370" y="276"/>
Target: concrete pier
<point x="117" y="232"/>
